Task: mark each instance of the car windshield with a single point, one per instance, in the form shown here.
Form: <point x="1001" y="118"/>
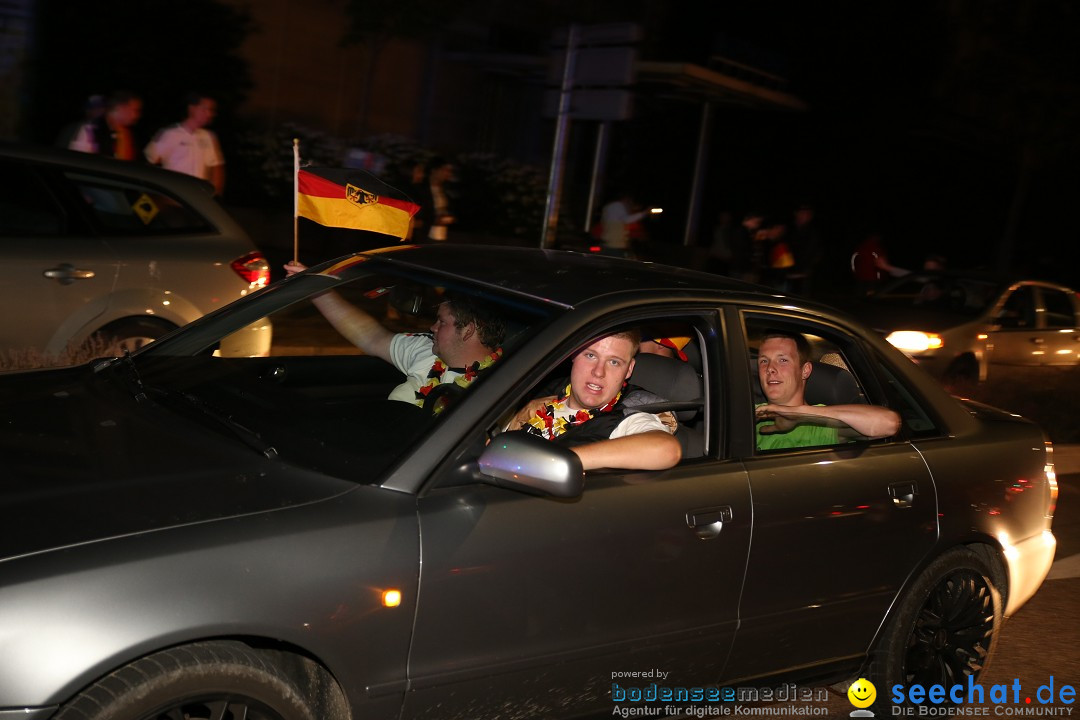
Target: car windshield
<point x="948" y="293"/>
<point x="318" y="400"/>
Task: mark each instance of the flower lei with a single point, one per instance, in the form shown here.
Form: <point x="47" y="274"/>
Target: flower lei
<point x="547" y="425"/>
<point x="467" y="377"/>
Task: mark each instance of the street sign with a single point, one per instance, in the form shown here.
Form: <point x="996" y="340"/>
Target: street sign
<point x="624" y="33"/>
<point x="599" y="104"/>
<point x="603" y="67"/>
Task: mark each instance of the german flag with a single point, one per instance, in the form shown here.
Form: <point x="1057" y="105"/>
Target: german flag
<point x="344" y="198"/>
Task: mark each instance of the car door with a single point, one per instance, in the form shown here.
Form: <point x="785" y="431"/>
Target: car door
<point x="837" y="530"/>
<point x="1061" y="338"/>
<point x="1017" y="338"/>
<point x="57" y="275"/>
<point x="547" y="604"/>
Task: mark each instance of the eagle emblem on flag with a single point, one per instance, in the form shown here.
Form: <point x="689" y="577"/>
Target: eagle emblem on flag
<point x="360" y="196"/>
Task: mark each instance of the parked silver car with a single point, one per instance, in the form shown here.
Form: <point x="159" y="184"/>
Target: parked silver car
<point x="113" y="253"/>
<point x="964" y="327"/>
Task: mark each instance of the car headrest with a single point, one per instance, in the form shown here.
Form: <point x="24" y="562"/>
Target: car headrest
<point x="831" y="385"/>
<point x="669" y="378"/>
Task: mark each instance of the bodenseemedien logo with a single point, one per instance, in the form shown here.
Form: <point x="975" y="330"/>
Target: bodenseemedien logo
<point x="862" y="695"/>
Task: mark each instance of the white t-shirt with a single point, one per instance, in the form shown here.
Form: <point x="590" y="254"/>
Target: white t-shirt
<point x="411" y="354"/>
<point x="632" y="424"/>
<point x="179" y="149"/>
<point x="83" y="140"/>
<point x="613" y="221"/>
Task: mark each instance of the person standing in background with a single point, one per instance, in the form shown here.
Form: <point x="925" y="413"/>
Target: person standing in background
<point x="111" y="134"/>
<point x="435" y="216"/>
<point x="93" y="109"/>
<point x="615" y="218"/>
<point x="870" y="264"/>
<point x="189" y="147"/>
<point x="805" y="244"/>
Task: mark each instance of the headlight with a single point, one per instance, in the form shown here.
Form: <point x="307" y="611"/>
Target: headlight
<point x="915" y="341"/>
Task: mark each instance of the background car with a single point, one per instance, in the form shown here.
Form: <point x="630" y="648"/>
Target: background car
<point x="117" y="253"/>
<point x="188" y="534"/>
<point x="964" y="327"/>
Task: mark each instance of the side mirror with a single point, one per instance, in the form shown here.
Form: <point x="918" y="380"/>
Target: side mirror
<point x="519" y="461"/>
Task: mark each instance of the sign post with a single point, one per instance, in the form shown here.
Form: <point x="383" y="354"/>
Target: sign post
<point x="594" y="66"/>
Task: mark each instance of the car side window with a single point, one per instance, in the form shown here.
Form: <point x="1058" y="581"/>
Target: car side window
<point x="917" y="421"/>
<point x="838" y="375"/>
<point x="122" y="207"/>
<point x="1058" y="309"/>
<point x="666" y="380"/>
<point x="317" y="398"/>
<point x="1018" y="310"/>
<point x="27" y="208"/>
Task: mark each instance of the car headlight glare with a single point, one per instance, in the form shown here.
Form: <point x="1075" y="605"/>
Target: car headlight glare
<point x="915" y="341"/>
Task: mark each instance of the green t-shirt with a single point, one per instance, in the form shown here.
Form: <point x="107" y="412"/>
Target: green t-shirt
<point x="805" y="435"/>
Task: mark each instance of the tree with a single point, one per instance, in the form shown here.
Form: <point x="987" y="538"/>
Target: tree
<point x="1013" y="72"/>
<point x="373" y="25"/>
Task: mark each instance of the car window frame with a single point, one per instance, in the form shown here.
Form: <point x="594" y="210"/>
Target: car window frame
<point x="1046" y="292"/>
<point x="572" y="335"/>
<point x="859" y="359"/>
<point x="40" y="177"/>
<point x="1017" y="291"/>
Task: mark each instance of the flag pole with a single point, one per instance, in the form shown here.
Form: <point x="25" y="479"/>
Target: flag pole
<point x="296" y="200"/>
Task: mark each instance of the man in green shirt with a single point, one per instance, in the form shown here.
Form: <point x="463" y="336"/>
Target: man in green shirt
<point x="787" y="421"/>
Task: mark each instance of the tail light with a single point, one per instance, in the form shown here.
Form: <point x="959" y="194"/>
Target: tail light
<point x="253" y="268"/>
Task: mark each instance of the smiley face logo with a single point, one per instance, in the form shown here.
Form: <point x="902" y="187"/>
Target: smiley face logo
<point x="862" y="693"/>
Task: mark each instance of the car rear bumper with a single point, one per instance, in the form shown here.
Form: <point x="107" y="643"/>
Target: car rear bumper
<point x="1029" y="561"/>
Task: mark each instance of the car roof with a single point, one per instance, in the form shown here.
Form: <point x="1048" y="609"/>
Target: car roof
<point x="563" y="277"/>
<point x="73" y="159"/>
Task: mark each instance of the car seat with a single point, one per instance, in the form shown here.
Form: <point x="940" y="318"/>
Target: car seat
<point x="829" y="383"/>
<point x="832" y="385"/>
<point x="681" y="389"/>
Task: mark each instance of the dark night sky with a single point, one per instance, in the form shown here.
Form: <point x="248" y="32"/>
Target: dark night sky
<point x="919" y="114"/>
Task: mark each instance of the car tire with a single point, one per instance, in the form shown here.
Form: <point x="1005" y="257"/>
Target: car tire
<point x="207" y="680"/>
<point x="127" y="335"/>
<point x="944" y="631"/>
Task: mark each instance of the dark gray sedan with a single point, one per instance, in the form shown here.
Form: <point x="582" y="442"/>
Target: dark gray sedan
<point x="188" y="535"/>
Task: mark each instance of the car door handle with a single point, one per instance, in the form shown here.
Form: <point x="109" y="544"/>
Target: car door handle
<point x="903" y="494"/>
<point x="708" y="522"/>
<point x="1037" y="340"/>
<point x="66" y="273"/>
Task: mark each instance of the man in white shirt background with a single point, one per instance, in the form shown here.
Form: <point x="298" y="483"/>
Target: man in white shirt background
<point x="189" y="147"/>
<point x="615" y="218"/>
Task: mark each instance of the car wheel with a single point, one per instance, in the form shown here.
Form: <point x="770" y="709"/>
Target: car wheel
<point x="944" y="630"/>
<point x="128" y="335"/>
<point x="224" y="681"/>
<point x="962" y="376"/>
